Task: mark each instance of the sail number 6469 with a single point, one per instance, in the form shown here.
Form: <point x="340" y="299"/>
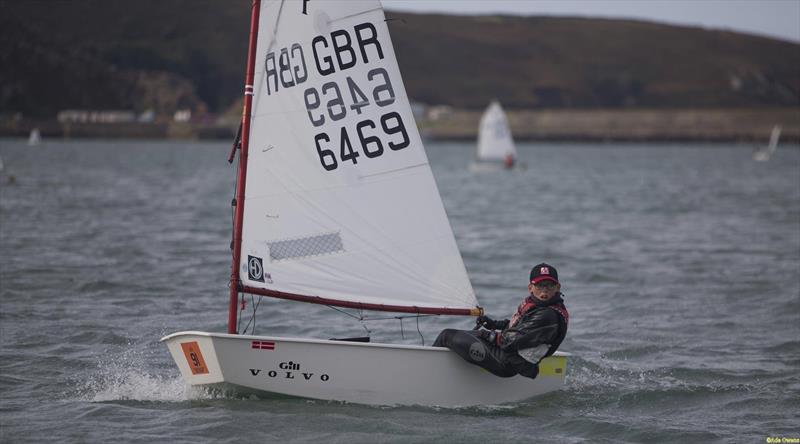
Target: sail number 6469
<point x="371" y="144"/>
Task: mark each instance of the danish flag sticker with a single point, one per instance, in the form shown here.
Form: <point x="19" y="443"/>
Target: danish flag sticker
<point x="263" y="345"/>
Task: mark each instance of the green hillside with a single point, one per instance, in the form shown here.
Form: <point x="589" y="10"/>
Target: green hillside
<point x="170" y="54"/>
<point x="536" y="62"/>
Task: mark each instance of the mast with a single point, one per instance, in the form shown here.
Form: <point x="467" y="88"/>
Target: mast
<point x="235" y="282"/>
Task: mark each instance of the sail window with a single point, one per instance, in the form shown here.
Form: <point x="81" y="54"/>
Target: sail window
<point x="305" y="247"/>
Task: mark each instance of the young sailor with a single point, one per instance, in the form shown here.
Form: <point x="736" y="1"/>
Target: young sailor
<point x="516" y="346"/>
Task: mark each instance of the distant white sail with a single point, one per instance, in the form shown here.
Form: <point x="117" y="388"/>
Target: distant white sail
<point x="774" y="136"/>
<point x="766" y="152"/>
<point x="495" y="142"/>
<point x="35" y="137"/>
<point x="340" y="201"/>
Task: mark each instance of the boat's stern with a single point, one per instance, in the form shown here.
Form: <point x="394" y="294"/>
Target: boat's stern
<point x="196" y="357"/>
<point x="555" y="367"/>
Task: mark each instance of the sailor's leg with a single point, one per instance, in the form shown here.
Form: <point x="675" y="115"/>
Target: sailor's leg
<point x="444" y="338"/>
<point x="472" y="348"/>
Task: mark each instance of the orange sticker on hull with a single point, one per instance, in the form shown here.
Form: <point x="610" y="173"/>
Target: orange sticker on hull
<point x="195" y="359"/>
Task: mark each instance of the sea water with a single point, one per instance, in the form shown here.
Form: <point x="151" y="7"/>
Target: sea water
<point x="680" y="264"/>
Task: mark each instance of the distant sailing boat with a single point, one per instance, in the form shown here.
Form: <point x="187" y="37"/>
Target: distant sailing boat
<point x="336" y="205"/>
<point x="35" y="137"/>
<point x="765" y="153"/>
<point x="495" y="142"/>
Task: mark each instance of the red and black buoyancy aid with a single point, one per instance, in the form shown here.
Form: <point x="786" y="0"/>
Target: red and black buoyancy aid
<point x="557" y="304"/>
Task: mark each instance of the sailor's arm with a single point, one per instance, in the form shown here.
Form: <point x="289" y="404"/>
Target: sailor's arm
<point x="490" y="324"/>
<point x="536" y="328"/>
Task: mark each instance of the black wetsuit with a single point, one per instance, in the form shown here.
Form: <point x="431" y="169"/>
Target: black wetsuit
<point x="537" y="332"/>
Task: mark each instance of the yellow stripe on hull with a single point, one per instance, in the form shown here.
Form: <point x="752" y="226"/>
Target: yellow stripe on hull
<point x="553" y="366"/>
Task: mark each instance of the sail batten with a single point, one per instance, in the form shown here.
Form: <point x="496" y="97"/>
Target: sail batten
<point x="340" y="199"/>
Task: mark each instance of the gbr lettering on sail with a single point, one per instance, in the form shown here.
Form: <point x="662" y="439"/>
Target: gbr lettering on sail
<point x="350" y="109"/>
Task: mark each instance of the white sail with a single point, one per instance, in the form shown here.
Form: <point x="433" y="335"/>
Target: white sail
<point x="340" y="201"/>
<point x="766" y="152"/>
<point x="35" y="137"/>
<point x="495" y="142"/>
<point x="774" y="136"/>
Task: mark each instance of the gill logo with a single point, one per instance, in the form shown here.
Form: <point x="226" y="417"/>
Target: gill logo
<point x="289" y="366"/>
<point x="477" y="352"/>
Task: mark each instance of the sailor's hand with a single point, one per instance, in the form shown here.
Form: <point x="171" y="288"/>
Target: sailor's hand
<point x="488" y="336"/>
<point x="485" y="322"/>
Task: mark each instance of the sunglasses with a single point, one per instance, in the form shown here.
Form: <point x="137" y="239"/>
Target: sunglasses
<point x="545" y="285"/>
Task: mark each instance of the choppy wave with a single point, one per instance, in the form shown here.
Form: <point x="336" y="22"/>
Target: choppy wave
<point x="128" y="375"/>
<point x="682" y="287"/>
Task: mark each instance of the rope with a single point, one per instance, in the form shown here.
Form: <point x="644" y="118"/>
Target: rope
<point x="420" y="333"/>
<point x="361" y="318"/>
<point x="253" y="317"/>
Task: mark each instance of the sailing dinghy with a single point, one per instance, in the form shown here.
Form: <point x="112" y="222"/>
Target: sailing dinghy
<point x="495" y="143"/>
<point x="336" y="205"/>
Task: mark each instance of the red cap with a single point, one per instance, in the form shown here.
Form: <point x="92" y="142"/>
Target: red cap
<point x="543" y="272"/>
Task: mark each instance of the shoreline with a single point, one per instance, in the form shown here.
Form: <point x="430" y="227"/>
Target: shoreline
<point x="443" y="124"/>
<point x="675" y="125"/>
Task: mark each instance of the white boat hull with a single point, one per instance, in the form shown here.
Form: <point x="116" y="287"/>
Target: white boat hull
<point x="489" y="166"/>
<point x="761" y="156"/>
<point x="364" y="373"/>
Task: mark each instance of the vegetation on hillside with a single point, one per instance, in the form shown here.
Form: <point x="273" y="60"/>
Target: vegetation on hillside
<point x="170" y="54"/>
